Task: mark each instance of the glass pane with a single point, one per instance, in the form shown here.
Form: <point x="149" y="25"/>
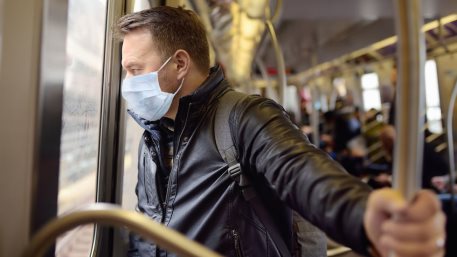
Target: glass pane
<point x="435" y="126"/>
<point x="340" y="86"/>
<point x="81" y="118"/>
<point x="140" y="5"/>
<point x="433" y="113"/>
<point x="370" y="81"/>
<point x="432" y="96"/>
<point x="292" y="104"/>
<point x="434" y="120"/>
<point x="371" y="99"/>
<point x="133" y="133"/>
<point x="132" y="139"/>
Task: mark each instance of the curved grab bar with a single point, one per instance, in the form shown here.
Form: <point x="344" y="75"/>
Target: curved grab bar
<point x="109" y="214"/>
<point x="338" y="251"/>
<point x="277" y="11"/>
<point x="450" y="142"/>
<point x="282" y="81"/>
<point x="315" y="115"/>
<point x="263" y="71"/>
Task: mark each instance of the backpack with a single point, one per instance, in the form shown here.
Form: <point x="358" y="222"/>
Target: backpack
<point x="309" y="241"/>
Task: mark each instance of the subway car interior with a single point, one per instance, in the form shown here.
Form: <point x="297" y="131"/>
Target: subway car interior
<point x="352" y="75"/>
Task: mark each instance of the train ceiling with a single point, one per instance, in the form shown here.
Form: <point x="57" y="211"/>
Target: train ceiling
<point x="313" y="32"/>
<point x="310" y="32"/>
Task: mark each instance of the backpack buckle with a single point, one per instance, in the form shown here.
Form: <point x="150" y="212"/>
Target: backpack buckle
<point x="235" y="171"/>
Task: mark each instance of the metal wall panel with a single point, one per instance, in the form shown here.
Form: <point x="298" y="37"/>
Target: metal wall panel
<point x="20" y="22"/>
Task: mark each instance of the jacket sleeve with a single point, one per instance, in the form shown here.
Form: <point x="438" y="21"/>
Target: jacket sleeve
<point x="303" y="177"/>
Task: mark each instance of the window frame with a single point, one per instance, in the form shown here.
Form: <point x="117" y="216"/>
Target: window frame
<point x="111" y="137"/>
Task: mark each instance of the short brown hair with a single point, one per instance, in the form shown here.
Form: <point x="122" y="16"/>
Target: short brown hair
<point x="171" y="29"/>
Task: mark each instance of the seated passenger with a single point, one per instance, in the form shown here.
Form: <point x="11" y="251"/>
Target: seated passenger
<point x="441" y="183"/>
<point x="169" y="85"/>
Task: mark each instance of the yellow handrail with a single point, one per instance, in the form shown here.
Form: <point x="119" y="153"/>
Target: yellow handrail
<point x="112" y="215"/>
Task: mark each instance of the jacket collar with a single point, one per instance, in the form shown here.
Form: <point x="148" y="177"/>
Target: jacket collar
<point x="210" y="88"/>
<point x="148" y="125"/>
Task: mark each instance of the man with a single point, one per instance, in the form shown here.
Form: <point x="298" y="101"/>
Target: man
<point x="182" y="178"/>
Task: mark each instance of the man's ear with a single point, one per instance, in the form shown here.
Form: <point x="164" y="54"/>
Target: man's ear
<point x="182" y="61"/>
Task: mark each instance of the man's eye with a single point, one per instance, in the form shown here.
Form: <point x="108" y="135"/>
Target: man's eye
<point x="136" y="71"/>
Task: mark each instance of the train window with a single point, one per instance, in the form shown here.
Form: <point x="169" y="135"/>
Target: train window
<point x="340" y="86"/>
<point x="81" y="118"/>
<point x="141" y="5"/>
<point x="132" y="138"/>
<point x="432" y="98"/>
<point x="339" y="91"/>
<point x="292" y="104"/>
<point x="371" y="95"/>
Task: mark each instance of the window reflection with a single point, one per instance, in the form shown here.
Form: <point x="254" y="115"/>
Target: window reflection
<point x="81" y="118"/>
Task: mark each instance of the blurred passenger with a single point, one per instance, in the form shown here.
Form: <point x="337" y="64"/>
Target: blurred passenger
<point x="346" y="127"/>
<point x="328" y="124"/>
<point x="183" y="180"/>
<point x="443" y="185"/>
<point x="393" y="80"/>
<point x="293" y="117"/>
<point x="326" y="128"/>
<point x="341" y="141"/>
<point x="358" y="114"/>
<point x="433" y="164"/>
<point x="305" y="119"/>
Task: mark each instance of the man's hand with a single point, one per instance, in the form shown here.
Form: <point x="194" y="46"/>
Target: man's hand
<point x="415" y="229"/>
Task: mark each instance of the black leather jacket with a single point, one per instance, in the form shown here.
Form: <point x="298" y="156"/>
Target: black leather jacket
<point x="205" y="204"/>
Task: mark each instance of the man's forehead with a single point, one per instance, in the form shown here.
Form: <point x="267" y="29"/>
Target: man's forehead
<point x="138" y="41"/>
<point x="137" y="45"/>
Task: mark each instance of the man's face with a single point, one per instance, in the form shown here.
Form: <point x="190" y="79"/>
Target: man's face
<point x="140" y="56"/>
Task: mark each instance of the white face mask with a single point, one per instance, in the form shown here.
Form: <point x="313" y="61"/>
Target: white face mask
<point x="144" y="96"/>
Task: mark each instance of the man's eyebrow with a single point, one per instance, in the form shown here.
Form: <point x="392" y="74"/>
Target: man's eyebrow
<point x="129" y="64"/>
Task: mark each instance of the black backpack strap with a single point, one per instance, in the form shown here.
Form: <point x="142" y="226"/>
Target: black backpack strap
<point x="224" y="140"/>
<point x="226" y="148"/>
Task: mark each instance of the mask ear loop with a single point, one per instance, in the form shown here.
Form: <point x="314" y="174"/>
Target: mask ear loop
<point x="165" y="63"/>
<point x="180" y="86"/>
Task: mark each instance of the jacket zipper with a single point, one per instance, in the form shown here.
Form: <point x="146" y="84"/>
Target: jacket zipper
<point x="152" y="154"/>
<point x="174" y="169"/>
<point x="147" y="140"/>
<point x="236" y="239"/>
<point x="185" y="124"/>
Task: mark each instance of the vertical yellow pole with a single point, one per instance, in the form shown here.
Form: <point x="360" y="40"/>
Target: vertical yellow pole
<point x="410" y="104"/>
